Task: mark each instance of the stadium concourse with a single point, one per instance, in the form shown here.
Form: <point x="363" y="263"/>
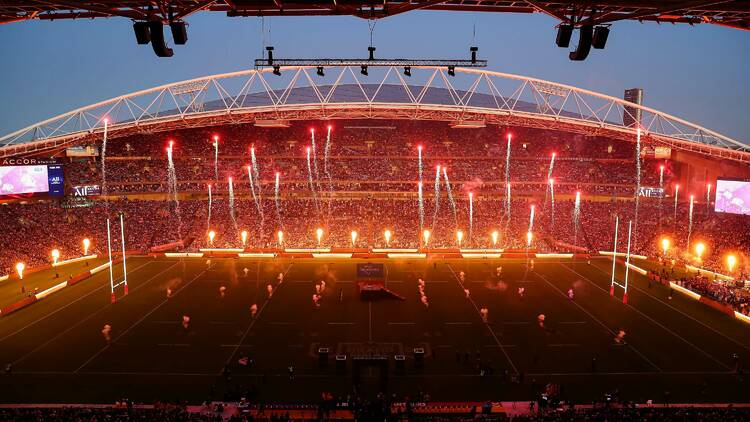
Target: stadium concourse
<point x="259" y="318"/>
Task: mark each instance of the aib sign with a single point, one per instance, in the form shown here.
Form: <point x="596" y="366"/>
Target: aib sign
<point x="86" y="190"/>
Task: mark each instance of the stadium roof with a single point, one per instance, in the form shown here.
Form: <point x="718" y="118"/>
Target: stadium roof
<point x="473" y="97"/>
<point x="732" y="13"/>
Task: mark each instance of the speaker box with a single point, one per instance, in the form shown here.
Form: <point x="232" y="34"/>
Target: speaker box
<point x="600" y="37"/>
<point x="157" y="40"/>
<point x="179" y="32"/>
<point x="564" y="32"/>
<point x="142" y="33"/>
<point x="584" y="44"/>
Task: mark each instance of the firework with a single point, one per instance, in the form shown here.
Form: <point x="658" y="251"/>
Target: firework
<point x="495" y="235"/>
<point x="319" y="235"/>
<point x="243" y="237"/>
<point x="315" y="159"/>
<point x="426" y="237"/>
<point x="676" y="194"/>
<point x="387" y="234"/>
<point x="459" y="237"/>
<point x="507" y="178"/>
<point x="708" y="197"/>
<point x="211" y="237"/>
<point x="421" y="206"/>
<point x="552" y="201"/>
<point x="354" y="238"/>
<point x="637" y="180"/>
<point x="86" y="245"/>
<point x="55" y="256"/>
<point x="531" y="219"/>
<point x="327" y="168"/>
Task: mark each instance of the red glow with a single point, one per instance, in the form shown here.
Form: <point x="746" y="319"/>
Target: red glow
<point x="330" y="127"/>
<point x="230" y="179"/>
<point x="554" y="154"/>
<point x="278" y="174"/>
<point x="216" y="138"/>
<point x="578" y="193"/>
<point x="308" y="150"/>
<point x="438" y="167"/>
<point x="661" y="167"/>
<point x="312" y="130"/>
<point x="551" y="181"/>
<point x="106" y="120"/>
<point x="471" y="194"/>
<point x="419" y="147"/>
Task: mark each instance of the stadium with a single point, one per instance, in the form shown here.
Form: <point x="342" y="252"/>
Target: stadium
<point x="373" y="242"/>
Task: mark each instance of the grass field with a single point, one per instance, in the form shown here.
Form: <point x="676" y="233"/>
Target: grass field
<point x="58" y="353"/>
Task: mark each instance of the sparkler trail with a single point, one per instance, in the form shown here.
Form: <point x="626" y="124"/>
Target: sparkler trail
<point x="577" y="217"/>
<point x="311" y="183"/>
<point x="216" y="159"/>
<point x="327" y="169"/>
<point x="674" y="217"/>
<point x="421" y="208"/>
<point x="661" y="186"/>
<point x="471" y="216"/>
<point x="552" y="202"/>
<point x="172" y="175"/>
<point x="210" y="200"/>
<point x="638" y="181"/>
<point x="708" y="198"/>
<point x="315" y="160"/>
<point x="255" y="188"/>
<point x="277" y="201"/>
<point x="507" y="179"/>
<point x="437" y="197"/>
<point x="531" y="219"/>
<point x="231" y="204"/>
<point x="549" y="177"/>
<point x="419" y="150"/>
<point x="104" y="168"/>
<point x="256" y="174"/>
<point x="690" y="222"/>
<point x="450" y="196"/>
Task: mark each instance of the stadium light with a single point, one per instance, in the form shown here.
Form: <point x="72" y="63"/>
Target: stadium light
<point x="55" y="255"/>
<point x="319" y="235"/>
<point x="354" y="238"/>
<point x="731" y="262"/>
<point x="211" y="236"/>
<point x="243" y="235"/>
<point x="426" y="237"/>
<point x="459" y="237"/>
<point x="86" y="244"/>
<point x="495" y="235"/>
<point x="280" y="237"/>
<point x="700" y="247"/>
<point x="19" y="269"/>
<point x="664" y="245"/>
<point x="387" y="235"/>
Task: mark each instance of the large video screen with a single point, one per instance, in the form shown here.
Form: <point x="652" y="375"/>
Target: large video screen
<point x="733" y="196"/>
<point x="18" y="180"/>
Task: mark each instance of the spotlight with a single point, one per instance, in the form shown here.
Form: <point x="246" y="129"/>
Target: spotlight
<point x="451" y="70"/>
<point x="371" y="49"/>
<point x="364" y="70"/>
<point x="600" y="37"/>
<point x="320" y="71"/>
<point x="564" y="33"/>
<point x="277" y="70"/>
<point x="179" y="32"/>
<point x="142" y="32"/>
<point x="407" y="70"/>
<point x="473" y="54"/>
<point x="270" y="55"/>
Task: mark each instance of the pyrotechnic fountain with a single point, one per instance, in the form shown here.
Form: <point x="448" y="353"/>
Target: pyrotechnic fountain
<point x="531" y="219"/>
<point x="638" y="181"/>
<point x="311" y="183"/>
<point x="255" y="187"/>
<point x="327" y="168"/>
<point x="507" y="182"/>
<point x="421" y="207"/>
<point x="708" y="198"/>
<point x="676" y="194"/>
<point x="552" y="203"/>
<point x="315" y="159"/>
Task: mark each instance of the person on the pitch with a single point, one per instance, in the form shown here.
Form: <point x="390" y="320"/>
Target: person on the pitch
<point x="222" y="291"/>
<point x="269" y="289"/>
<point x="185" y="322"/>
<point x="106" y="333"/>
<point x="253" y="310"/>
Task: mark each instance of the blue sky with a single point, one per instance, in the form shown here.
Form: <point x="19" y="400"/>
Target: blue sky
<point x="698" y="73"/>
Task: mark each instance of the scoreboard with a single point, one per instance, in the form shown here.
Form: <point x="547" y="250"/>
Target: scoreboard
<point x="25" y="177"/>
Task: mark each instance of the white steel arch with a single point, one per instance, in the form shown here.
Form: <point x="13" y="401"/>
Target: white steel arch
<point x="385" y="93"/>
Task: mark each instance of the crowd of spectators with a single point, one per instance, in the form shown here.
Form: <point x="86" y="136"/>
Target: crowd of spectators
<point x="368" y="184"/>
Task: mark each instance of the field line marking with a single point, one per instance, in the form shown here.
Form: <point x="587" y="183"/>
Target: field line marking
<point x="492" y="332"/>
<point x="180" y="289"/>
<point x="67" y="305"/>
<point x="254" y="320"/>
<point x="596" y="319"/>
<point x="79" y="322"/>
<point x="657" y="323"/>
<point x="645" y="293"/>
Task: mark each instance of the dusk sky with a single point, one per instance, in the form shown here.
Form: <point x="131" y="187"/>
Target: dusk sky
<point x="697" y="73"/>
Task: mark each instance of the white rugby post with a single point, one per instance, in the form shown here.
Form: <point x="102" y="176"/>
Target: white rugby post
<point x="627" y="264"/>
<point x="124" y="268"/>
<point x="614" y="258"/>
<point x="109" y="250"/>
